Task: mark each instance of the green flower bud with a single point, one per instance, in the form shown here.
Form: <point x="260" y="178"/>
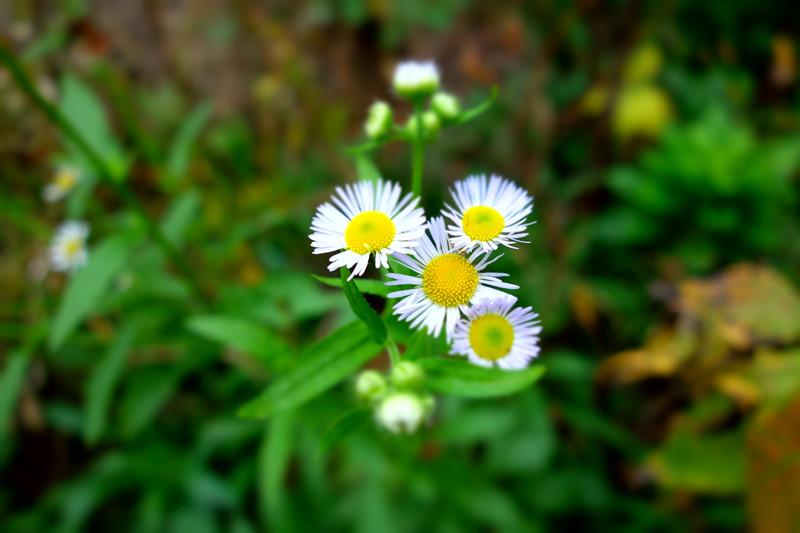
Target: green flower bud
<point x="370" y="386"/>
<point x="407" y="375"/>
<point x="416" y="80"/>
<point x="428" y="404"/>
<point x="379" y="120"/>
<point x="430" y="125"/>
<point x="446" y="106"/>
<point x="401" y="412"/>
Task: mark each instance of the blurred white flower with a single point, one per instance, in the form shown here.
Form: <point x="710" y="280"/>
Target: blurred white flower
<point x="416" y="80"/>
<point x="68" y="249"/>
<point x="401" y="412"/>
<point x="64" y="181"/>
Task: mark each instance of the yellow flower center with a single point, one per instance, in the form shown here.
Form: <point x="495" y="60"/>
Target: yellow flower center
<point x="482" y="223"/>
<point x="65" y="180"/>
<point x="449" y="280"/>
<point x="491" y="336"/>
<point x="72" y="247"/>
<point x="369" y="231"/>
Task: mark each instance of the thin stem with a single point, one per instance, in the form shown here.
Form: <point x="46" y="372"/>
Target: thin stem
<point x="121" y="188"/>
<point x="418" y="145"/>
<point x="394" y="352"/>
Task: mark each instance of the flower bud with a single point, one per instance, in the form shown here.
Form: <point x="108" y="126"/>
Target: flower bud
<point x="379" y="120"/>
<point x="446" y="106"/>
<point x="407" y="375"/>
<point x="370" y="386"/>
<point x="402" y="412"/>
<point x="416" y="80"/>
<point x="430" y="125"/>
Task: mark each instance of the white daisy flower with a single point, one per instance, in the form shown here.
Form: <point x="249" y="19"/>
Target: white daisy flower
<point x="64" y="180"/>
<point x="447" y="282"/>
<point x="68" y="250"/>
<point x="495" y="335"/>
<point x="488" y="213"/>
<point x="367" y="219"/>
<point x="416" y="79"/>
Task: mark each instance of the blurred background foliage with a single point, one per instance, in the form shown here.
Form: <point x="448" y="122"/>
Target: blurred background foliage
<point x="659" y="139"/>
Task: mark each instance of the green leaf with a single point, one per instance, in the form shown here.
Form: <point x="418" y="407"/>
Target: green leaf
<point x="13" y="374"/>
<point x="273" y="463"/>
<point x="343" y="426"/>
<point x="180" y="215"/>
<point x="469" y="114"/>
<point x="102" y="381"/>
<point x="89" y="285"/>
<point x="366" y="286"/>
<point x="242" y="334"/>
<point x="85" y="112"/>
<point x="472" y="381"/>
<point x="422" y="345"/>
<point x="366" y="169"/>
<point x="145" y="394"/>
<point x="180" y="153"/>
<point x="323" y="366"/>
<point x="362" y="309"/>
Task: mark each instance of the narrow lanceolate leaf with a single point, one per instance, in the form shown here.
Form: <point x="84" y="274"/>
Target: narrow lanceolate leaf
<point x="180" y="152"/>
<point x="242" y="334"/>
<point x="472" y="381"/>
<point x="344" y="426"/>
<point x="13" y="374"/>
<point x="366" y="286"/>
<point x="89" y="285"/>
<point x="469" y="114"/>
<point x="362" y="309"/>
<point x="366" y="169"/>
<point x="323" y="366"/>
<point x="103" y="380"/>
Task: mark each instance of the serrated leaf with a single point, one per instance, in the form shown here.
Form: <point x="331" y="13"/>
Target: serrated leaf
<point x="460" y="378"/>
<point x="89" y="285"/>
<point x="343" y="426"/>
<point x="240" y="333"/>
<point x="180" y="152"/>
<point x="362" y="309"/>
<point x="366" y="286"/>
<point x="323" y="366"/>
<point x="102" y="381"/>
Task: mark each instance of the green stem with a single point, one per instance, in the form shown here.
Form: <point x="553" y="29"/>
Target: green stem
<point x="394" y="352"/>
<point x="418" y="146"/>
<point x="121" y="188"/>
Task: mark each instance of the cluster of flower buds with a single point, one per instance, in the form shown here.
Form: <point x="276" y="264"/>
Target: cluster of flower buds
<point x="418" y="82"/>
<point x="399" y="403"/>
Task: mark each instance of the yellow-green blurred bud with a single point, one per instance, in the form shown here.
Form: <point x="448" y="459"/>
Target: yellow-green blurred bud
<point x="446" y="106"/>
<point x="430" y="125"/>
<point x="644" y="64"/>
<point x="407" y="375"/>
<point x="401" y="412"/>
<point x="416" y="80"/>
<point x="428" y="404"/>
<point x="641" y="111"/>
<point x="370" y="386"/>
<point x="379" y="120"/>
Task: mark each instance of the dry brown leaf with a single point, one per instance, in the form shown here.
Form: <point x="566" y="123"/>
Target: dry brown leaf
<point x="662" y="355"/>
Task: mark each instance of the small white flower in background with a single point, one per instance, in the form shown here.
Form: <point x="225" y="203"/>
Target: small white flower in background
<point x="416" y="80"/>
<point x="64" y="180"/>
<point x="447" y="282"/>
<point x="495" y="335"/>
<point x="402" y="412"/>
<point x="367" y="219"/>
<point x="379" y="120"/>
<point x="68" y="249"/>
<point x="489" y="212"/>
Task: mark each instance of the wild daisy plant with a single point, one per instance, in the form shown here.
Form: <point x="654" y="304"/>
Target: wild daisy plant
<point x="450" y="323"/>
